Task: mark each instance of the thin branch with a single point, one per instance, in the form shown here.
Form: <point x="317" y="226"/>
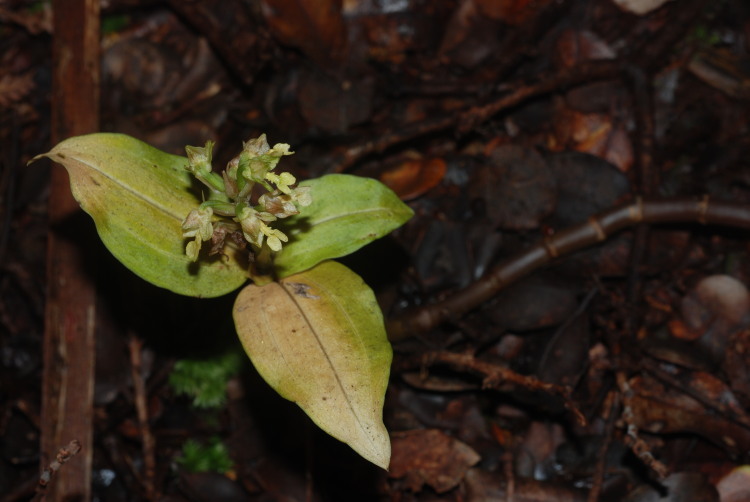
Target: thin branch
<point x="721" y="408"/>
<point x="601" y="463"/>
<point x="632" y="439"/>
<point x="466" y="119"/>
<point x="135" y="345"/>
<point x="63" y="455"/>
<point x="494" y="376"/>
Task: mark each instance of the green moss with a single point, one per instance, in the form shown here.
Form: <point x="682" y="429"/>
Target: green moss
<point x="211" y="457"/>
<point x="205" y="380"/>
<point x="114" y="23"/>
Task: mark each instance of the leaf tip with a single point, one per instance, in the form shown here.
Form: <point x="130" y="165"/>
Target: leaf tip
<point x="376" y="450"/>
<point x="38" y="157"/>
<point x="374" y="445"/>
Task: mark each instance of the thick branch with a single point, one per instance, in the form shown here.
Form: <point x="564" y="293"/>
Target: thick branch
<point x="572" y="239"/>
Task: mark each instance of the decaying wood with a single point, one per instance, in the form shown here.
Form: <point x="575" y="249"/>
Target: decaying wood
<point x="68" y="380"/>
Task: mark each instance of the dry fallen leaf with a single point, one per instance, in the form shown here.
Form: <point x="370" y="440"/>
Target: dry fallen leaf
<point x="315" y="27"/>
<point x="640" y="7"/>
<point x="430" y="457"/>
<point x="15" y="87"/>
<point x="414" y="177"/>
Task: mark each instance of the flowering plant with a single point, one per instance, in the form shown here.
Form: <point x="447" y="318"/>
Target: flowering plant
<point x="311" y="327"/>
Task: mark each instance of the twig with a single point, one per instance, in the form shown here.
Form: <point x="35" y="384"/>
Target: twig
<point x="647" y="178"/>
<point x="510" y="476"/>
<point x="601" y="462"/>
<point x="135" y="346"/>
<point x="567" y="241"/>
<point x="650" y="52"/>
<point x="468" y="118"/>
<point x="494" y="375"/>
<point x="719" y="407"/>
<point x="636" y="444"/>
<point x="63" y="455"/>
<point x="561" y="80"/>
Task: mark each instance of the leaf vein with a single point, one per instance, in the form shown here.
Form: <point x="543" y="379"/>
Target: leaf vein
<point x="131" y="190"/>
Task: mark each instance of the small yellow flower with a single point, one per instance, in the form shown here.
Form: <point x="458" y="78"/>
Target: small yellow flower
<point x="302" y="196"/>
<point x="282" y="181"/>
<point x="254" y="225"/>
<point x="256" y="147"/>
<point x="279" y="150"/>
<point x="198" y="223"/>
<point x="199" y="158"/>
<point x="274" y="237"/>
<point x="279" y="205"/>
<point x="192" y="249"/>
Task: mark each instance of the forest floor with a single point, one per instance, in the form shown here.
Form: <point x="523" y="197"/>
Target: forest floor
<point x="620" y="372"/>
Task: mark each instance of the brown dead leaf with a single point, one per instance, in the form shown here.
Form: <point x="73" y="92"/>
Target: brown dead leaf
<point x="640" y="7"/>
<point x="536" y="303"/>
<point x="573" y="47"/>
<point x="430" y="457"/>
<point x="470" y="37"/>
<point x="316" y="27"/>
<point x="36" y="21"/>
<point x="334" y="105"/>
<point x="14" y="87"/>
<point x="716" y="298"/>
<point x="517" y="187"/>
<point x="712" y="311"/>
<point x="595" y="133"/>
<point x="664" y="410"/>
<point x="722" y="70"/>
<point x="586" y="184"/>
<point x="514" y="12"/>
<point x="735" y="486"/>
<point x="737" y="365"/>
<point x="414" y="176"/>
<point x="483" y="486"/>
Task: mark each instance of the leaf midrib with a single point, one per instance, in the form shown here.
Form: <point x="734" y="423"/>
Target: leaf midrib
<point x="135" y="193"/>
<point x="342" y="388"/>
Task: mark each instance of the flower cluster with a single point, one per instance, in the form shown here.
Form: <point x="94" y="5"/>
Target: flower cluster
<point x="230" y="197"/>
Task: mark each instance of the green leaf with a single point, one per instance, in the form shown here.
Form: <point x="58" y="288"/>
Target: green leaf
<point x="346" y="213"/>
<point x="318" y="339"/>
<point x="138" y="197"/>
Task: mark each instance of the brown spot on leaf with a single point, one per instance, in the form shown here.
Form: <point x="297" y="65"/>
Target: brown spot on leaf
<point x="302" y="290"/>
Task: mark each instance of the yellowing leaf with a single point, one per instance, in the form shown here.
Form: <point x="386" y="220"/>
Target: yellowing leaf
<point x="318" y="339"/>
<point x="346" y="213"/>
<point x="138" y="197"/>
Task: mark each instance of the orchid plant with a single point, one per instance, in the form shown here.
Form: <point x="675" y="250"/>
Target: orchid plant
<point x="311" y="327"/>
